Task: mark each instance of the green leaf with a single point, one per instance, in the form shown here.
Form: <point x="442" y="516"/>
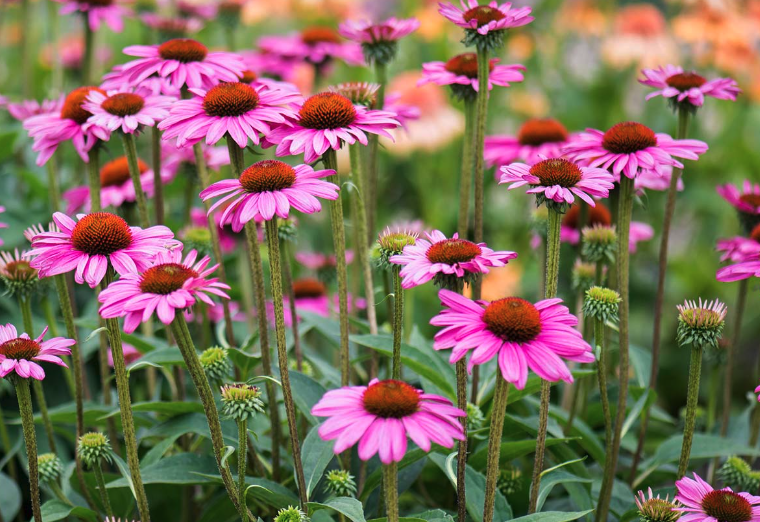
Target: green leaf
<point x="157" y="452"/>
<point x="434" y="515"/>
<point x="124" y="470"/>
<point x="158" y="358"/>
<point x="57" y="510"/>
<point x="10" y="497"/>
<point x="192" y="423"/>
<point x="162" y="407"/>
<point x="183" y="468"/>
<point x="553" y="516"/>
<point x="306" y="393"/>
<point x="645" y="401"/>
<point x="551" y="479"/>
<point x="349" y="507"/>
<point x="511" y="450"/>
<point x="641" y="360"/>
<point x="316" y="454"/>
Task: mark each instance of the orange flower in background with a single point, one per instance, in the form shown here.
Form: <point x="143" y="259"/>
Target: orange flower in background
<point x="582" y="17"/>
<point x="639" y="38"/>
<point x="432" y="24"/>
<point x="500" y="282"/>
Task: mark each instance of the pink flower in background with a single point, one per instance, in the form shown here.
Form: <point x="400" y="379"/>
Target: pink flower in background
<point x="169" y="284"/>
<point x="26" y="109"/>
<point x="327" y="120"/>
<point x="20" y="353"/>
<point x="757" y="390"/>
<point x="268" y="188"/>
<point x="238" y="109"/>
<point x="319" y="261"/>
<point x="317" y="45"/>
<point x="124" y="109"/>
<point x="70" y="51"/>
<point x="131" y="354"/>
<point x="215" y="313"/>
<point x="311" y="296"/>
<point x="463" y="70"/>
<point x="2" y="225"/>
<point x="485" y="18"/>
<point x="367" y="32"/>
<point x="405" y="112"/>
<point x="536" y="139"/>
<point x="599" y="215"/>
<point x="746" y="200"/>
<point x="650" y="180"/>
<point x="381" y="415"/>
<point x="438" y="257"/>
<point x="98" y="12"/>
<point x="90" y="244"/>
<point x="630" y="148"/>
<point x="639" y="232"/>
<point x="559" y="180"/>
<point x="522" y="336"/>
<point x="748" y="267"/>
<point x="674" y="83"/>
<point x="738" y="249"/>
<point x="702" y="503"/>
<point x="173" y="157"/>
<point x="172" y="25"/>
<point x="116" y="79"/>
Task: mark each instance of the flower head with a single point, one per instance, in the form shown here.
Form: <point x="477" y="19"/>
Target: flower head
<point x="461" y="73"/>
<point x="90" y="244"/>
<point x="241" y="402"/>
<point x="629" y="148"/>
<point x="317" y="45"/>
<point x="171" y="27"/>
<point x="381" y="415"/>
<point x="20" y="353"/>
<point x="656" y="509"/>
<point x="378" y="39"/>
<point x="484" y="25"/>
<point x="702" y="503"/>
<point x="270" y="188"/>
<point x="216" y="364"/>
<point x="701" y="324"/>
<point x="687" y="88"/>
<point x="340" y="482"/>
<point x="746" y="202"/>
<point x="522" y="336"/>
<point x="359" y="93"/>
<point x="126" y="110"/>
<point x="291" y="514"/>
<point x="50" y="467"/>
<point x="17" y="274"/>
<point x="583" y="275"/>
<point x="737" y="474"/>
<point x="98" y="12"/>
<point x="739" y="249"/>
<point x="26" y="109"/>
<point x="168" y="284"/>
<point x="94" y="447"/>
<point x="392" y="243"/>
<point x="557" y="181"/>
<point x="599" y="243"/>
<point x="311" y="296"/>
<point x="536" y="140"/>
<point x="445" y="260"/>
<point x="601" y="304"/>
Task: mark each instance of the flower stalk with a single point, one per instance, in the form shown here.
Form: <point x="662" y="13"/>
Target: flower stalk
<point x="242" y="466"/>
<point x="390" y="487"/>
<point x="100" y="480"/>
<point x="481" y="116"/>
<point x="30" y="440"/>
<point x="381" y="78"/>
<point x="93" y="178"/>
<point x="398" y="321"/>
<point x="158" y="185"/>
<point x="498" y="412"/>
<point x="692" y="397"/>
<point x="466" y="174"/>
<point x="130" y="150"/>
<point x="287" y="280"/>
<point x="89" y="51"/>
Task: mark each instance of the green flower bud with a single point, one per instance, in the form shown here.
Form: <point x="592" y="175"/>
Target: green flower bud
<point x="701" y="323"/>
<point x="287" y="230"/>
<point x="291" y="514"/>
<point x="583" y="275"/>
<point x="599" y="243"/>
<point x="216" y="364"/>
<point x="340" y="483"/>
<point x="601" y="304"/>
<point x="198" y="238"/>
<point x="393" y="243"/>
<point x="475" y="417"/>
<point x="94" y="447"/>
<point x="241" y="401"/>
<point x="737" y="474"/>
<point x="50" y="467"/>
<point x="17" y="275"/>
<point x="306" y="368"/>
<point x="656" y="509"/>
<point x="360" y="93"/>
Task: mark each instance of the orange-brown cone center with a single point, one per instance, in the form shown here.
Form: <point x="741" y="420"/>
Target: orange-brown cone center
<point x="628" y="137"/>
<point x="101" y="233"/>
<point x="453" y="251"/>
<point x="166" y="278"/>
<point x="183" y="50"/>
<point x="391" y="399"/>
<point x="230" y="99"/>
<point x="513" y="319"/>
<point x="327" y="110"/>
<point x="267" y="176"/>
<point x="541" y="130"/>
<point x="72" y="105"/>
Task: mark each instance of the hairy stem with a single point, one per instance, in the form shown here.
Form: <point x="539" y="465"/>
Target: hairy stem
<point x="692" y="397"/>
<point x="242" y="466"/>
<point x="93" y="178"/>
<point x="466" y="173"/>
<point x="30" y="439"/>
<point x="398" y="321"/>
<point x="102" y="489"/>
<point x="158" y="185"/>
<point x="481" y="115"/>
<point x="381" y="78"/>
<point x="498" y="412"/>
<point x="130" y="149"/>
<point x="390" y="486"/>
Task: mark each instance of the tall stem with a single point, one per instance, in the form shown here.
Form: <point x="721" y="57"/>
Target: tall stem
<point x="741" y="301"/>
<point x="601" y="368"/>
<point x="670" y="207"/>
<point x="158" y="185"/>
<point x="102" y="489"/>
<point x="330" y="161"/>
<point x="242" y="466"/>
<point x="27" y="62"/>
<point x="550" y="290"/>
<point x="287" y="281"/>
<point x="398" y="321"/>
<point x="481" y="116"/>
<point x="53" y="192"/>
<point x="125" y="406"/>
<point x="93" y="178"/>
<point x="282" y="354"/>
<point x="498" y="411"/>
<point x="89" y="51"/>
<point x="390" y="486"/>
<point x="203" y="176"/>
<point x="30" y="439"/>
<point x="461" y="372"/>
<point x="381" y="78"/>
<point x="130" y="149"/>
<point x="466" y="173"/>
<point x="692" y="397"/>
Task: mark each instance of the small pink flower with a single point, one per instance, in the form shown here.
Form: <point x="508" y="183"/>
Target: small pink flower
<point x="131" y="354"/>
<point x="757" y="390"/>
<point x="438" y="257"/>
<point x="463" y="70"/>
<point x="28" y="108"/>
<point x="674" y="83"/>
<point x="367" y="32"/>
<point x="98" y="12"/>
<point x="268" y="188"/>
<point x="650" y="180"/>
<point x="599" y="215"/>
<point x="738" y="249"/>
<point x="317" y="45"/>
<point x="89" y="245"/>
<point x="485" y="18"/>
<point x="702" y="503"/>
<point x="19" y="352"/>
<point x="126" y="110"/>
<point x="630" y="148"/>
<point x="327" y="120"/>
<point x="405" y="112"/>
<point x="639" y="232"/>
<point x="537" y="139"/>
<point x="169" y="284"/>
<point x="522" y="335"/>
<point x="746" y="200"/>
<point x="381" y="416"/>
<point x="559" y="180"/>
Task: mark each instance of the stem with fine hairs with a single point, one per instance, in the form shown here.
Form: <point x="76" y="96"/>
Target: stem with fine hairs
<point x="381" y="78"/>
<point x="498" y="412"/>
<point x="130" y="150"/>
<point x="390" y="487"/>
<point x="692" y="397"/>
<point x="30" y="439"/>
<point x="398" y="321"/>
<point x="158" y="185"/>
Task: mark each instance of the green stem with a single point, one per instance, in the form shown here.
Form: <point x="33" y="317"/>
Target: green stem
<point x="282" y="354"/>
<point x="27" y="61"/>
<point x="125" y="406"/>
<point x="498" y="412"/>
<point x="53" y="191"/>
<point x="59" y="493"/>
<point x="89" y="51"/>
<point x="287" y="281"/>
<point x="102" y="489"/>
<point x="30" y="439"/>
<point x="461" y="372"/>
<point x="601" y="368"/>
<point x="741" y="301"/>
<point x="692" y="397"/>
<point x="242" y="466"/>
<point x="381" y="78"/>
<point x="552" y="253"/>
<point x="57" y="79"/>
<point x="481" y="116"/>
<point x="158" y="184"/>
<point x="398" y="321"/>
<point x="130" y="149"/>
<point x="712" y="395"/>
<point x="390" y="486"/>
<point x="330" y="161"/>
<point x="93" y="172"/>
<point x="466" y="174"/>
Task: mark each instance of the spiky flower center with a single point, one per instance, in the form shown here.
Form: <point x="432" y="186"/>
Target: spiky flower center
<point x="267" y="176"/>
<point x="685" y="81"/>
<point x="727" y="506"/>
<point x="214" y="355"/>
<point x="465" y="64"/>
<point x="453" y="251"/>
<point x="603" y="295"/>
<point x="248" y="76"/>
<point x="72" y="105"/>
<point x="750" y="199"/>
<point x="538" y="131"/>
<point x="183" y="50"/>
<point x="363" y="93"/>
<point x="18" y="270"/>
<point x="239" y="392"/>
<point x="308" y="288"/>
<point x="598" y="215"/>
<point x="513" y="319"/>
<point x="394" y="242"/>
<point x="116" y="172"/>
<point x="123" y="104"/>
<point x="483" y="15"/>
<point x="628" y="137"/>
<point x="557" y="171"/>
<point x="20" y="348"/>
<point x="319" y="34"/>
<point x="327" y="110"/>
<point x="658" y="510"/>
<point x="391" y="399"/>
<point x="101" y="233"/>
<point x="94" y="440"/>
<point x="230" y="99"/>
<point x="165" y="278"/>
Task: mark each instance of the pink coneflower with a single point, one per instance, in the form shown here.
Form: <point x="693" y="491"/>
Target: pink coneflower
<point x="739" y="248"/>
<point x="757" y="390"/>
<point x="485" y="18"/>
<point x="268" y="188"/>
<point x="311" y="296"/>
<point x="463" y="70"/>
<point x="26" y="109"/>
<point x="381" y="416"/>
<point x="630" y="148"/>
<point x="318" y="261"/>
<point x="233" y="108"/>
<point x="440" y="258"/>
<point x="367" y="32"/>
<point x="537" y="139"/>
<point x="650" y="180"/>
<point x="523" y="335"/>
<point x="405" y="112"/>
<point x="98" y="11"/>
<point x="131" y="354"/>
<point x="185" y="62"/>
<point x="559" y="180"/>
<point x="748" y="267"/>
<point x="116" y="186"/>
<point x="169" y="284"/>
<point x="51" y="129"/>
<point x="327" y="120"/>
<point x="88" y="245"/>
<point x="124" y="109"/>
<point x="599" y="215"/>
<point x="746" y="201"/>
<point x="69" y="50"/>
<point x="19" y="352"/>
<point x="702" y="503"/>
<point x="317" y="45"/>
<point x="679" y="86"/>
<point x="639" y="232"/>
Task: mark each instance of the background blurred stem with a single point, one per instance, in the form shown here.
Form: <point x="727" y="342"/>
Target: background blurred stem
<point x="381" y="78"/>
<point x="130" y="150"/>
<point x="100" y="481"/>
<point x="89" y="51"/>
<point x="692" y="397"/>
<point x="466" y="174"/>
<point x="93" y="171"/>
<point x="52" y="175"/>
<point x="287" y="280"/>
<point x="25" y="41"/>
<point x="158" y="184"/>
